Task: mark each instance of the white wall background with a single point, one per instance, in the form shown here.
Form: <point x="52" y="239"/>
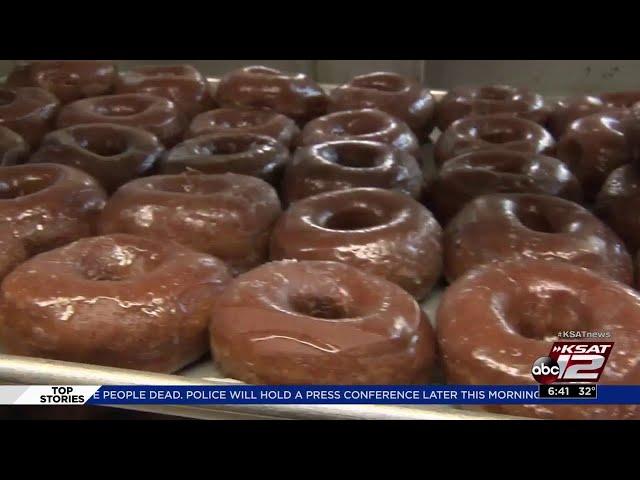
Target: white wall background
<point x="546" y="76"/>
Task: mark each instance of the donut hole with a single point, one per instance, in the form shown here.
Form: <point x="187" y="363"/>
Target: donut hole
<point x="540" y="315"/>
<point x="23" y="186"/>
<point x="535" y="220"/>
<point x="383" y="83"/>
<point x="495" y="92"/>
<point x="320" y="306"/>
<point x="352" y="155"/>
<point x="122" y="107"/>
<point x="110" y="262"/>
<point x="354" y="218"/>
<point x="226" y="146"/>
<point x="499" y="136"/>
<point x="103" y="145"/>
<point x="7" y="97"/>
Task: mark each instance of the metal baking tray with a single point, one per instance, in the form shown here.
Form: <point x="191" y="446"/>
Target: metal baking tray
<point x="34" y="371"/>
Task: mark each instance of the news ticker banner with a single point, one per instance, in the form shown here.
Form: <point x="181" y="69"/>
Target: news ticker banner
<point x="319" y="395"/>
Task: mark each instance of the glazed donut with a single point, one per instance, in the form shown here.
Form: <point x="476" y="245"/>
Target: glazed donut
<point x="244" y="153"/>
<point x="113" y="154"/>
<point x="228" y="216"/>
<point x="182" y="84"/>
<point x="496" y="321"/>
<point x="28" y="111"/>
<point x="616" y="204"/>
<point x="320" y="323"/>
<point x="491" y="131"/>
<point x="295" y="95"/>
<point x="594" y="146"/>
<point x="149" y="112"/>
<point x="117" y="300"/>
<point x="567" y="110"/>
<point x="13" y="149"/>
<point x="345" y="164"/>
<point x="367" y="124"/>
<point x="48" y="205"/>
<point x="12" y="252"/>
<point x="480" y="172"/>
<point x="499" y="227"/>
<point x="472" y="101"/>
<point x="68" y="80"/>
<point x="239" y="121"/>
<point x="392" y="93"/>
<point x="379" y="231"/>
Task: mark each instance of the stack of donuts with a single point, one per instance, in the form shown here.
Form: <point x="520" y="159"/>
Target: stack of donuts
<point x="149" y="217"/>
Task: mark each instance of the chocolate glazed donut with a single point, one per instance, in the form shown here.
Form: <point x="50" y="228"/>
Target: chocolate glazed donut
<point x="461" y="102"/>
<point x="68" y="80"/>
<point x="481" y="172"/>
<point x="294" y="95"/>
<point x="13" y="149"/>
<point x="113" y="154"/>
<point x="618" y="204"/>
<point x="244" y="153"/>
<point x="567" y="110"/>
<point x="149" y="112"/>
<point x="490" y="132"/>
<point x="344" y="164"/>
<point x="182" y="84"/>
<point x="496" y="321"/>
<point x="392" y="93"/>
<point x="367" y="124"/>
<point x="240" y="121"/>
<point x="379" y="231"/>
<point x="594" y="146"/>
<point x="117" y="300"/>
<point x="495" y="228"/>
<point x="229" y="216"/>
<point x="320" y="323"/>
<point x="28" y="111"/>
<point x="48" y="205"/>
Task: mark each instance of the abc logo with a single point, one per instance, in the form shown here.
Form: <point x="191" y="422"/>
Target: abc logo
<point x="545" y="370"/>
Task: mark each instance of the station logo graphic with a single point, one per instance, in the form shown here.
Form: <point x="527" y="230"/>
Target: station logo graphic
<point x="572" y="362"/>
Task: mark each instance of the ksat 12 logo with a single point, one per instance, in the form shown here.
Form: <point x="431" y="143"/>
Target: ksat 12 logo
<point x="571" y="362"/>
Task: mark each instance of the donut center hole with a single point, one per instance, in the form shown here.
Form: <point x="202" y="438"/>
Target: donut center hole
<point x="543" y="314"/>
<point x="319" y="306"/>
<point x="381" y="83"/>
<point x="223" y="148"/>
<point x="534" y="220"/>
<point x="7" y="97"/>
<point x="21" y="187"/>
<point x="105" y="146"/>
<point x="499" y="136"/>
<point x="353" y="156"/>
<point x="355" y="218"/>
<point x="112" y="262"/>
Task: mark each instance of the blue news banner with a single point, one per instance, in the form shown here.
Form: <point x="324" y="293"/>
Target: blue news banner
<point x="344" y="395"/>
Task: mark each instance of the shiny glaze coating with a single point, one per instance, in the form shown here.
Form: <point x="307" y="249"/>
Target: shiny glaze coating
<point x="295" y="95"/>
<point x="594" y="146"/>
<point x="367" y="124"/>
<point x="68" y="80"/>
<point x="462" y="102"/>
<point x="567" y="110"/>
<point x="245" y="153"/>
<point x="13" y="149"/>
<point x="496" y="321"/>
<point x="622" y="99"/>
<point x="113" y="154"/>
<point x="117" y="300"/>
<point x="182" y="84"/>
<point x="238" y="121"/>
<point x="12" y="252"/>
<point x="149" y="112"/>
<point x="482" y="172"/>
<point x="490" y="132"/>
<point x="344" y="164"/>
<point x="494" y="228"/>
<point x="228" y="216"/>
<point x="28" y="111"/>
<point x="618" y="204"/>
<point x="320" y="323"/>
<point x="392" y="93"/>
<point x="48" y="205"/>
<point x="379" y="231"/>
